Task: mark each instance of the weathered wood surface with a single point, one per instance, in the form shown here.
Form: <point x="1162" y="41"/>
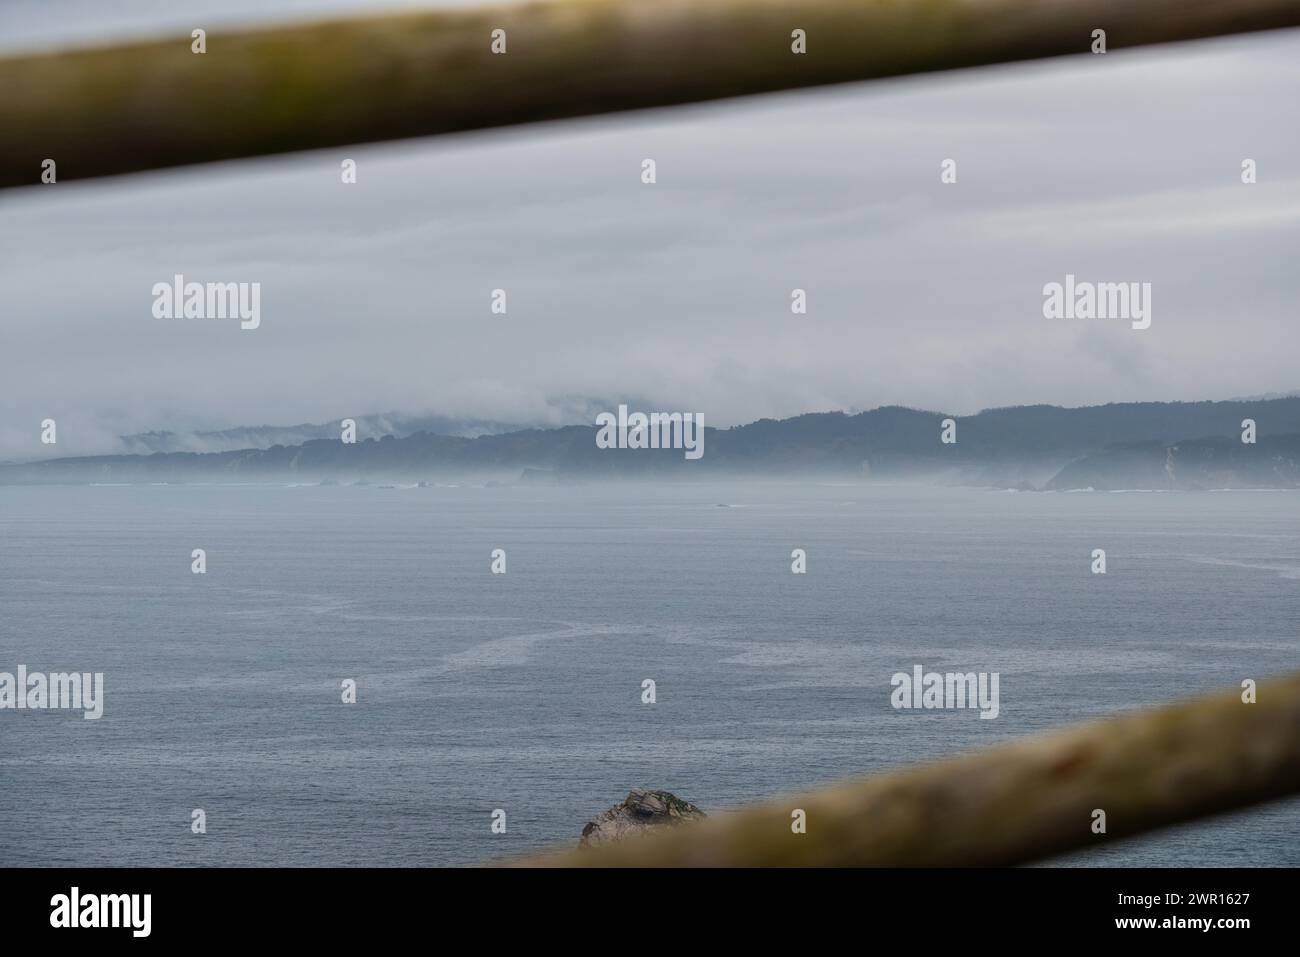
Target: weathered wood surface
<point x="151" y="105"/>
<point x="1010" y="804"/>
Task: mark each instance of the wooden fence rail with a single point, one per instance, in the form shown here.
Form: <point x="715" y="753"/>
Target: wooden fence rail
<point x="143" y="106"/>
<point x="1010" y="804"/>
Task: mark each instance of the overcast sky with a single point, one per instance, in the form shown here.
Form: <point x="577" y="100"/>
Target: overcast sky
<point x="375" y="296"/>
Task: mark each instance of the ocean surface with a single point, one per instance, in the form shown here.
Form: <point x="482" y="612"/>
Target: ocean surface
<point x="522" y="691"/>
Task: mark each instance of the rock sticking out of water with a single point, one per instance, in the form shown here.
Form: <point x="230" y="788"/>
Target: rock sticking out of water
<point x="640" y="811"/>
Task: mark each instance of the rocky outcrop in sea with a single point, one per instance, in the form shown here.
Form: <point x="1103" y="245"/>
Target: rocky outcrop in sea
<point x="640" y="811"/>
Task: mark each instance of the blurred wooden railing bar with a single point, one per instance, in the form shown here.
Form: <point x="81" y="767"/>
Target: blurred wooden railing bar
<point x="1023" y="801"/>
<point x="149" y="105"/>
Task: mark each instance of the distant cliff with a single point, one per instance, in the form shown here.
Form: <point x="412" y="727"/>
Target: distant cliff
<point x="1208" y="463"/>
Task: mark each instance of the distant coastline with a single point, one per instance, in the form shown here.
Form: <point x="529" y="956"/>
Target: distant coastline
<point x="1198" y="446"/>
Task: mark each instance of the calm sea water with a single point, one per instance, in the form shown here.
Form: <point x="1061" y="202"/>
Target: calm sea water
<point x="522" y="691"/>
